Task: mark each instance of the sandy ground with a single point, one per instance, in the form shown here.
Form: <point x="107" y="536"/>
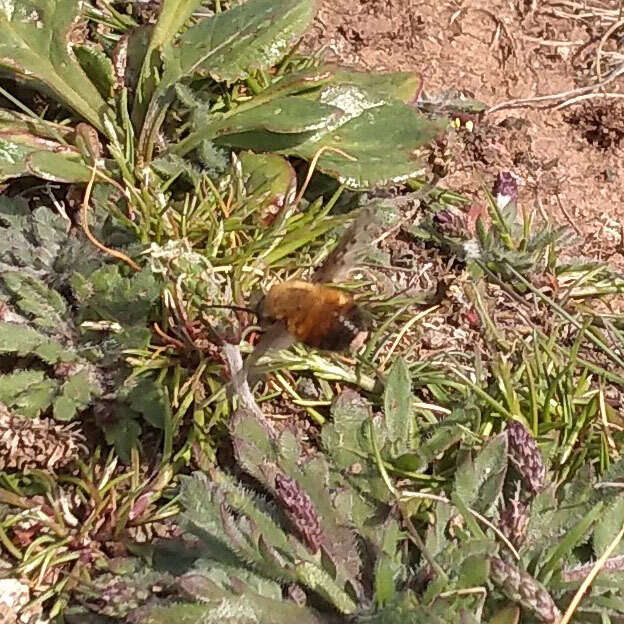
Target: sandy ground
<point x="570" y="161"/>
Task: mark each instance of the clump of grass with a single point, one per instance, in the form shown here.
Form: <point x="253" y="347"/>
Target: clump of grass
<point x="58" y="528"/>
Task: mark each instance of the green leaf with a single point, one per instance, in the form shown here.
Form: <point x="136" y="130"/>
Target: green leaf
<point x="383" y="139"/>
<point x="437" y="539"/>
<point x="12" y="121"/>
<point x="246" y="609"/>
<point x="474" y="571"/>
<point x="227" y="46"/>
<point x="107" y="294"/>
<point x="98" y="67"/>
<point x="507" y="615"/>
<point x="397" y="400"/>
<point x="149" y="399"/>
<point x="317" y="580"/>
<point x="270" y="184"/>
<point x="35" y="47"/>
<point x="23" y="340"/>
<point x="231" y="44"/>
<point x="64" y="409"/>
<point x="404" y="86"/>
<point x="479" y="482"/>
<point x="555" y="556"/>
<point x="277" y="125"/>
<point x="124" y="433"/>
<point x="64" y="165"/>
<point x="23" y="154"/>
<point x="346" y="440"/>
<point x="30" y="240"/>
<point x="76" y="395"/>
<point x="385" y="587"/>
<point x="384" y="145"/>
<point x="34" y="298"/>
<point x="143" y="57"/>
<point x="173" y="15"/>
<point x="607" y="527"/>
<point x="27" y="392"/>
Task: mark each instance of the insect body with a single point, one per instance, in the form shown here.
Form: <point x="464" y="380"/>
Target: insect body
<point x="317" y="315"/>
<point x="311" y="312"/>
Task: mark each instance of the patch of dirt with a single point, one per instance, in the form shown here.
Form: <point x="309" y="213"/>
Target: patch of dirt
<point x="570" y="162"/>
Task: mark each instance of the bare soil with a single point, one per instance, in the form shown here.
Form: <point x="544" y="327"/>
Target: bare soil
<point x="570" y="161"/>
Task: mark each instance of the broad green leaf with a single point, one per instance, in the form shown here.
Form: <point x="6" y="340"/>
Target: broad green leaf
<point x="403" y="86"/>
<point x="280" y="124"/>
<point x="479" y="482"/>
<point x="35" y="47"/>
<point x="299" y="81"/>
<point x="23" y="154"/>
<point x="65" y="165"/>
<point x="227" y="46"/>
<point x="230" y="45"/>
<point x="437" y="537"/>
<point x="347" y="441"/>
<point x="107" y="294"/>
<point x="64" y="409"/>
<point x="379" y="142"/>
<point x="384" y="146"/>
<point x="443" y="438"/>
<point x="397" y="400"/>
<point x="144" y="56"/>
<point x="385" y="586"/>
<point x="150" y="400"/>
<point x="473" y="571"/>
<point x="76" y="394"/>
<point x="270" y="184"/>
<point x="173" y="15"/>
<point x="23" y="340"/>
<point x="124" y="434"/>
<point x="287" y="115"/>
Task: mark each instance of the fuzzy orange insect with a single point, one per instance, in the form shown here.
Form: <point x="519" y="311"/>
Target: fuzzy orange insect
<point x="319" y="316"/>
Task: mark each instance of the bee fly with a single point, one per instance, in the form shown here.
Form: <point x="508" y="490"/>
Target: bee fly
<point x="313" y="312"/>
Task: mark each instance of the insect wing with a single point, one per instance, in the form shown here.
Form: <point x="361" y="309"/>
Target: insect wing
<point x="353" y="242"/>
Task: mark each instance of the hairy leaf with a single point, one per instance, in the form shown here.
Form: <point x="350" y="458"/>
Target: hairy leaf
<point x="607" y="527"/>
<point x="69" y="320"/>
<point x="479" y="482"/>
<point x="246" y="609"/>
<point x="98" y="67"/>
<point x="27" y="392"/>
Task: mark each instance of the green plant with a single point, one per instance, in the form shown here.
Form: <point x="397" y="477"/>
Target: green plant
<point x="58" y="527"/>
<point x="67" y="319"/>
<point x="200" y="93"/>
<point x="347" y="542"/>
<point x="219" y="69"/>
